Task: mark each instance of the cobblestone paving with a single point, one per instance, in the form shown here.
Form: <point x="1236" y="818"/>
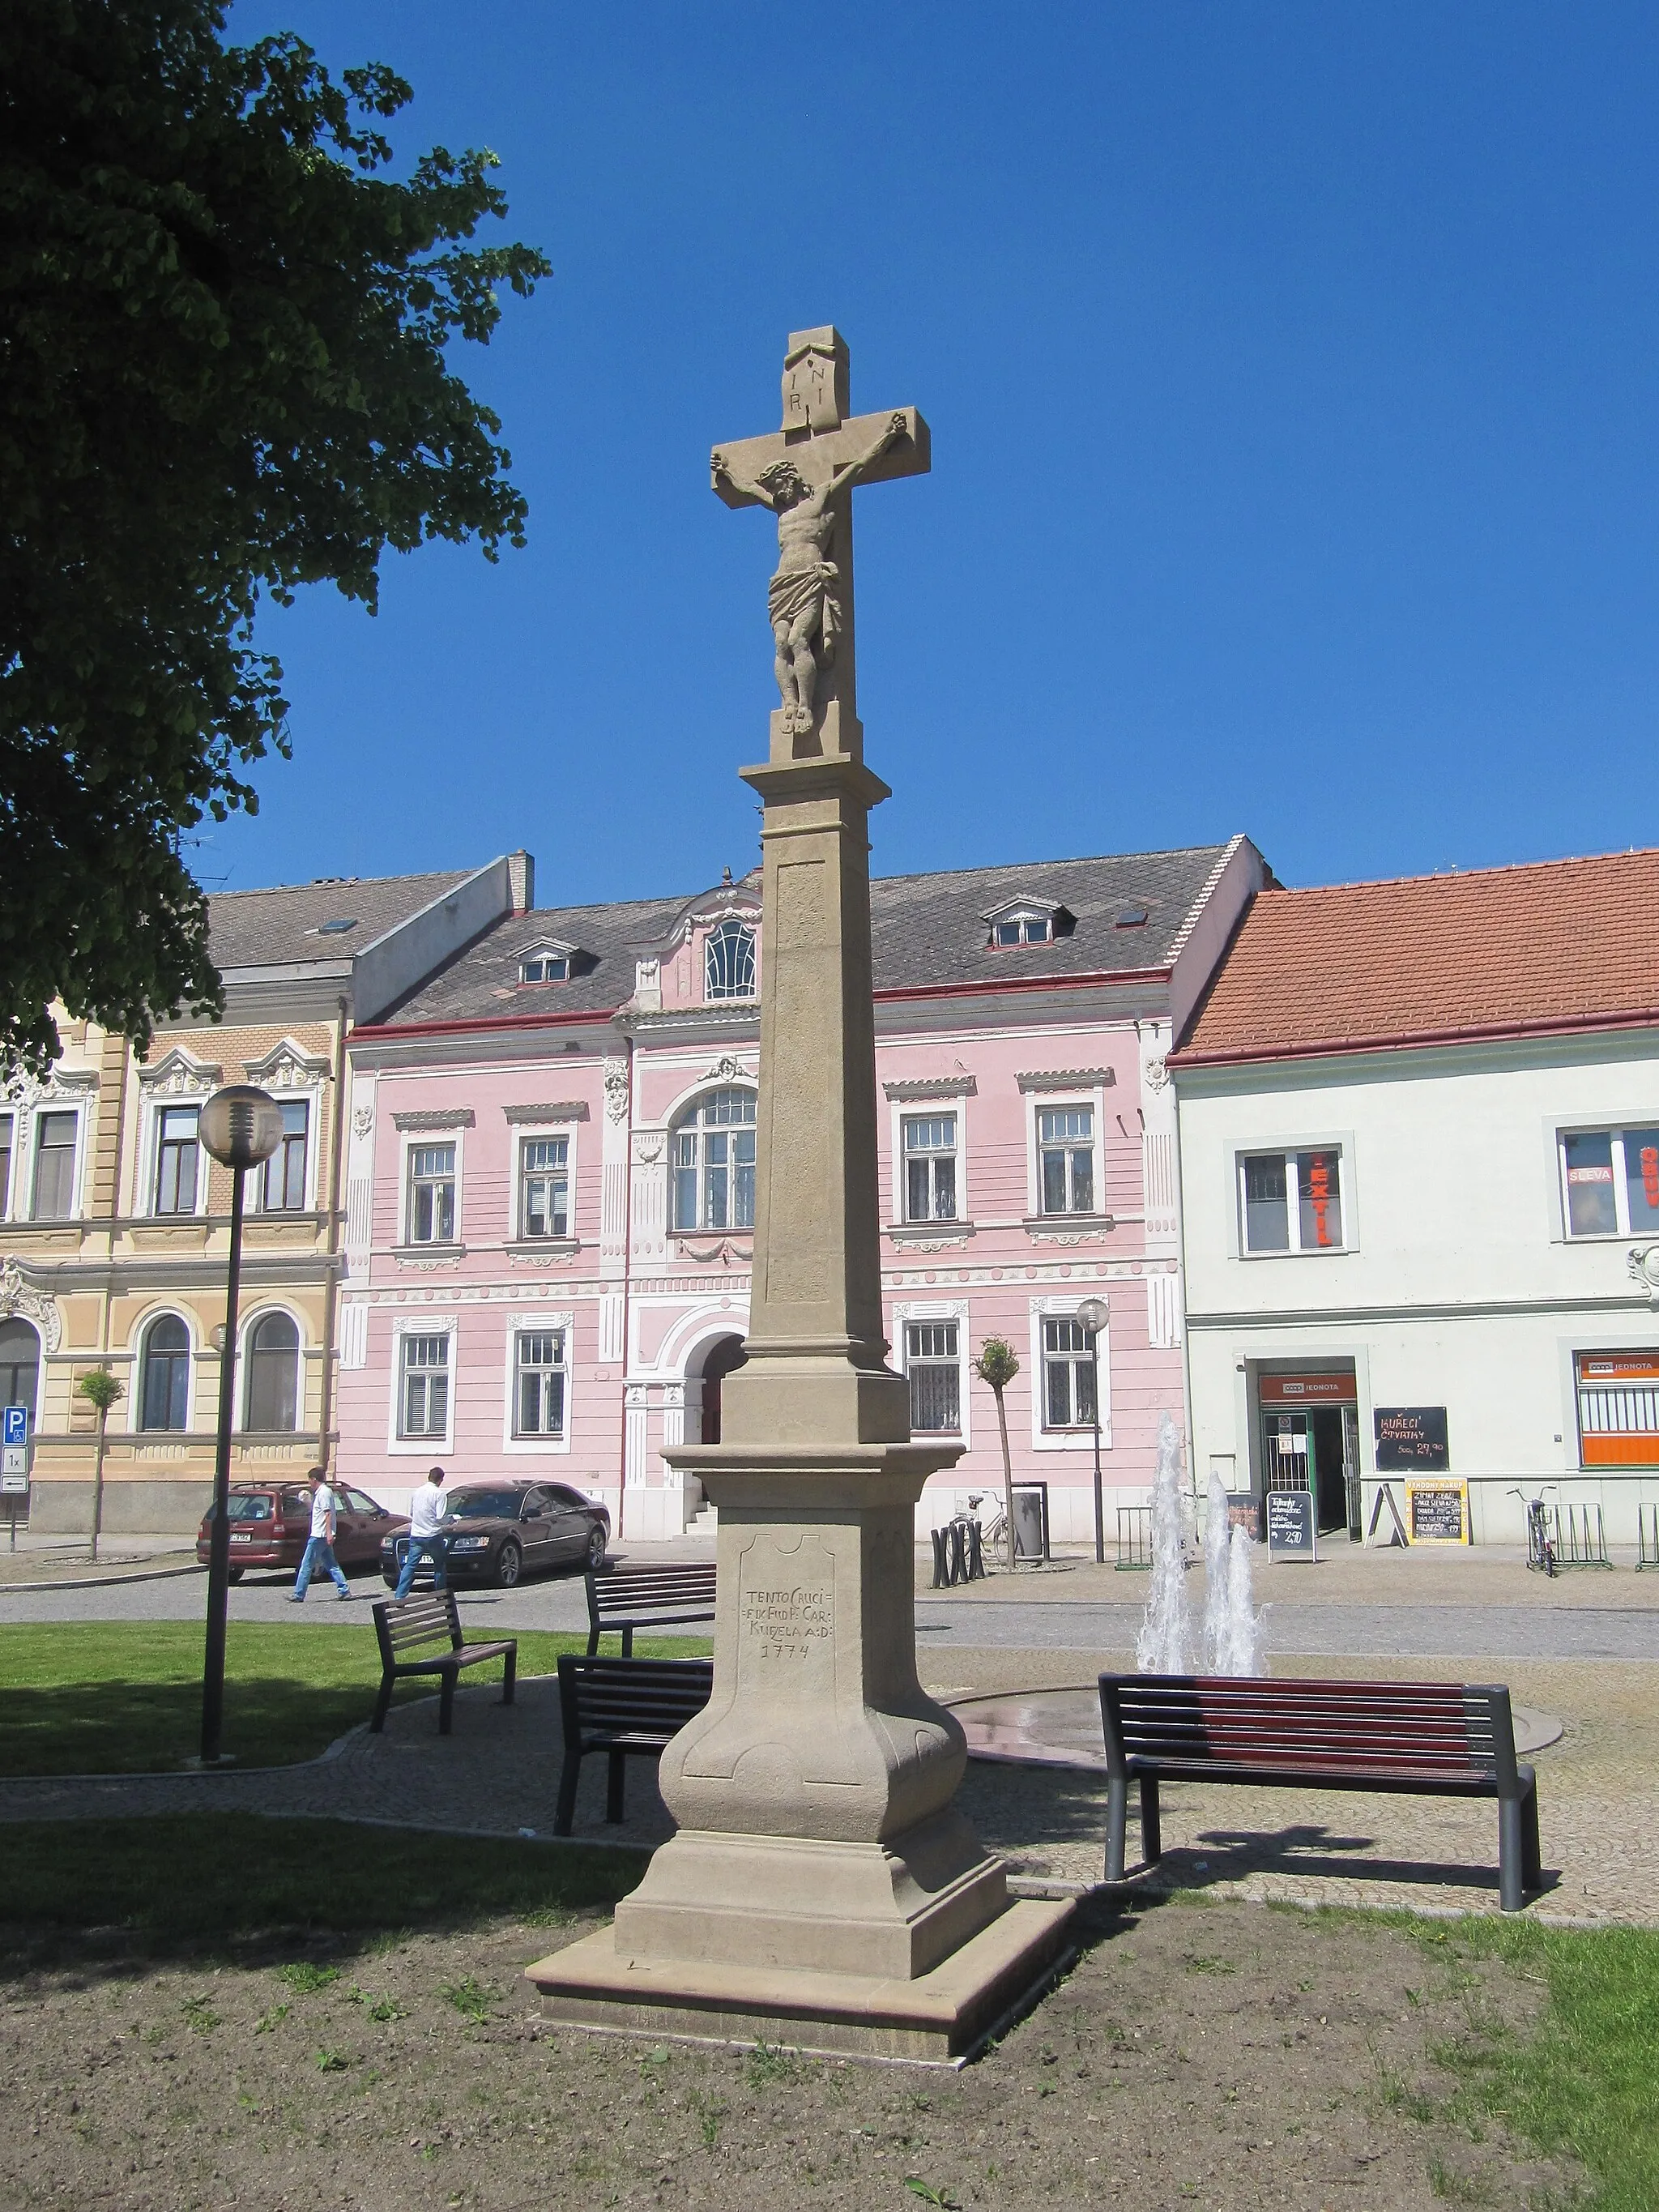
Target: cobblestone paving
<point x="498" y="1774"/>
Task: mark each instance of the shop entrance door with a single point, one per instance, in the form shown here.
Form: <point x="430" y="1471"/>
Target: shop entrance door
<point x="1310" y="1441"/>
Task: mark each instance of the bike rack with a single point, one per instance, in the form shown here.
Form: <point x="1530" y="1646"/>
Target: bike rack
<point x="1134" y="1539"/>
<point x="1647" y="1537"/>
<point x="958" y="1553"/>
<point x="1580" y="1542"/>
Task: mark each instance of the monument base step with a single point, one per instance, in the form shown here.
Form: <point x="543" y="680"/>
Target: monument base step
<point x="940" y="2018"/>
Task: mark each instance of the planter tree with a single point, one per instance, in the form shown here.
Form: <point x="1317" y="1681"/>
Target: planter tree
<point x="99" y="1389"/>
<point x="996" y="1367"/>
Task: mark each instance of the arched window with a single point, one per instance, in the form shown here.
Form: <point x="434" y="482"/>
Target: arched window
<point x="728" y="962"/>
<point x="714" y="1163"/>
<point x="164" y="1392"/>
<point x="273" y="1374"/>
<point x="20" y="1365"/>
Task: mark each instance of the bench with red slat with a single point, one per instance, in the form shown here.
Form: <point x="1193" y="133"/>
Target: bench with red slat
<point x="1419" y="1738"/>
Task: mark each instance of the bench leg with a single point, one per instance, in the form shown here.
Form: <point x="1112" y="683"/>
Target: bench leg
<point x="568" y="1776"/>
<point x="1151" y="1836"/>
<point x="616" y="1782"/>
<point x="1512" y="1852"/>
<point x="447" y="1702"/>
<point x="382" y="1705"/>
<point x="509" y="1680"/>
<point x="1117" y="1814"/>
<point x="593" y="1642"/>
<point x="628" y="1641"/>
<point x="1532" y="1857"/>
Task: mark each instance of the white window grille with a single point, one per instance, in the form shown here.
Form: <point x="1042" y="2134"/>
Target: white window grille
<point x="1068" y="1374"/>
<point x="546" y="968"/>
<point x="1065" y="1159"/>
<point x="935" y="1371"/>
<point x="715" y="1164"/>
<point x="1028" y="929"/>
<point x="432" y="1194"/>
<point x="930" y="1167"/>
<point x="544" y="1186"/>
<point x="728" y="962"/>
<point x="423" y="1386"/>
<point x="540" y="1392"/>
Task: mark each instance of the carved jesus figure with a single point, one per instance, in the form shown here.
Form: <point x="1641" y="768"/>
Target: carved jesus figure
<point x="801" y="598"/>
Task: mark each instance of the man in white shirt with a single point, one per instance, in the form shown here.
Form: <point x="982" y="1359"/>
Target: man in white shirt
<point x="319" y="1551"/>
<point x="426" y="1537"/>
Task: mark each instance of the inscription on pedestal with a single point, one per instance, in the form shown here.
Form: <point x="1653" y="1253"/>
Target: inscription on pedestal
<point x="787" y="1617"/>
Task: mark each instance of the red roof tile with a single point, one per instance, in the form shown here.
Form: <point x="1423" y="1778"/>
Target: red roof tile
<point x="1562" y="944"/>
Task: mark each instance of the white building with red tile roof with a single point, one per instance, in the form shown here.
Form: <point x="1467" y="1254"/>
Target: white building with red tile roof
<point x="1418" y="1136"/>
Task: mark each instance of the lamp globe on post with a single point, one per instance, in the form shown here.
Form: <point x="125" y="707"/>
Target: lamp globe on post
<point x="241" y="1126"/>
<point x="1094" y="1315"/>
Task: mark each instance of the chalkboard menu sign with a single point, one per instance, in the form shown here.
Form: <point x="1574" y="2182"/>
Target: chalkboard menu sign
<point x="1438" y="1512"/>
<point x="1291" y="1524"/>
<point x="1410" y="1438"/>
<point x="1242" y="1512"/>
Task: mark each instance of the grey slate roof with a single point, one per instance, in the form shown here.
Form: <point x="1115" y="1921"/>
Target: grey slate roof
<point x="927" y="929"/>
<point x="277" y="928"/>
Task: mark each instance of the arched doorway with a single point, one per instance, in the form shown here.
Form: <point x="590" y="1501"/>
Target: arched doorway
<point x="723" y="1357"/>
<point x="20" y="1365"/>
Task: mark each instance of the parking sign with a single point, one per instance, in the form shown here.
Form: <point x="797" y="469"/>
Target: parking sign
<point x="16" y="1426"/>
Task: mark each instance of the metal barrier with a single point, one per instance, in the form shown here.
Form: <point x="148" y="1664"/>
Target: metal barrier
<point x="1647" y="1537"/>
<point x="1134" y="1539"/>
<point x="1580" y="1541"/>
<point x="958" y="1553"/>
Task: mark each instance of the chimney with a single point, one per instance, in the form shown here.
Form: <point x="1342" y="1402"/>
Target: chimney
<point x="521" y="879"/>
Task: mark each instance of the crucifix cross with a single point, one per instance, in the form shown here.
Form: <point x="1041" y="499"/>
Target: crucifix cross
<point x="805" y="474"/>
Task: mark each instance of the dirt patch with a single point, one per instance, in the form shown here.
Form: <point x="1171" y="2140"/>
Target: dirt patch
<point x="1226" y="2055"/>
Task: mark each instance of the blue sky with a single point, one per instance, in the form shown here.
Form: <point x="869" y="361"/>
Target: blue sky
<point x="1292" y="372"/>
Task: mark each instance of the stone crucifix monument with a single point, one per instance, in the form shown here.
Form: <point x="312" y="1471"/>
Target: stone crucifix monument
<point x="821" y="1890"/>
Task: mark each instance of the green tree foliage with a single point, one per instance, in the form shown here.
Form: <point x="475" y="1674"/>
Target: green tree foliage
<point x="222" y="339"/>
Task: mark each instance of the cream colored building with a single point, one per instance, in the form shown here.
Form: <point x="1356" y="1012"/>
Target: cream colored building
<point x="114" y="1223"/>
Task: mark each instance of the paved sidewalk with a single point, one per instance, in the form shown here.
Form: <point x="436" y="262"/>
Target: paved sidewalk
<point x="498" y="1775"/>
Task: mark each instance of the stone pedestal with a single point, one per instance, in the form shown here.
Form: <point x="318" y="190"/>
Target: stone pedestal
<point x="822" y="1890"/>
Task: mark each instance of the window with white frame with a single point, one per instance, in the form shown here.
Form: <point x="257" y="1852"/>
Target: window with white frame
<point x="930" y="1167"/>
<point x="1068" y="1373"/>
<point x="1065" y="1159"/>
<point x="164" y="1375"/>
<point x="432" y="1194"/>
<point x="728" y="962"/>
<point x="714" y="1163"/>
<point x="54" y="1166"/>
<point x="935" y="1371"/>
<point x="1610" y="1181"/>
<point x="546" y="968"/>
<point x="423" y="1386"/>
<point x="1291" y="1201"/>
<point x="1026" y="929"/>
<point x="540" y="1382"/>
<point x="544" y="1186"/>
<point x="284" y="1190"/>
<point x="177" y="1157"/>
<point x="6" y="1124"/>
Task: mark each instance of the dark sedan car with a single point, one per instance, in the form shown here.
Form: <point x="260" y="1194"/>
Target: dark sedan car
<point x="270" y="1526"/>
<point x="498" y="1532"/>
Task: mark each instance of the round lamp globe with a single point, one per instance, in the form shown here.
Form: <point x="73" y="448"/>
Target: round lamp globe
<point x="241" y="1124"/>
<point x="1094" y="1314"/>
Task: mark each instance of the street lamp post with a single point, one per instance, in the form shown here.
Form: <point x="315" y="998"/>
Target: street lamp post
<point x="1094" y="1315"/>
<point x="241" y="1126"/>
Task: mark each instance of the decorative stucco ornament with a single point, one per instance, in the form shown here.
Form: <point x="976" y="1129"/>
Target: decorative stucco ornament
<point x="363" y="1120"/>
<point x="615" y="1089"/>
<point x="1644" y="1264"/>
<point x="728" y="1070"/>
<point x="1155" y="1074"/>
<point x="17" y="1296"/>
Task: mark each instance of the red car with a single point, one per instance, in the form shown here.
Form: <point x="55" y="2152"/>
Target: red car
<point x="270" y="1526"/>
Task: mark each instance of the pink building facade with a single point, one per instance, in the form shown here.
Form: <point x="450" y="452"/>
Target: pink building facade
<point x="551" y="1163"/>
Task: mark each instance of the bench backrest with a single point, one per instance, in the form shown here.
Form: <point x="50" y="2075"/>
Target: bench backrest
<point x="647" y="1594"/>
<point x="602" y="1696"/>
<point x="1449" y="1729"/>
<point x="404" y="1626"/>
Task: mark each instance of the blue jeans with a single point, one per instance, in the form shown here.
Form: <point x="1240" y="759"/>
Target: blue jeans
<point x="434" y="1548"/>
<point x="319" y="1553"/>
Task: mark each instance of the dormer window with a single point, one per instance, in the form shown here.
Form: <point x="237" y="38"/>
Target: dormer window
<point x="1028" y="929"/>
<point x="728" y="962"/>
<point x="546" y="968"/>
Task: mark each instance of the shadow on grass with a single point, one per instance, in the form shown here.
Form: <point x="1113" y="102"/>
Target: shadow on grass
<point x="237" y="1884"/>
<point x="137" y="1728"/>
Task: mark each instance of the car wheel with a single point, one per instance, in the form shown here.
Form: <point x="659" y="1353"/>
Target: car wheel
<point x="595" y="1550"/>
<point x="235" y="1574"/>
<point x="508" y="1565"/>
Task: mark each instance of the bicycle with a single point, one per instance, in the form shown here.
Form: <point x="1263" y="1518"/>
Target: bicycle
<point x="993" y="1531"/>
<point x="1540" y="1545"/>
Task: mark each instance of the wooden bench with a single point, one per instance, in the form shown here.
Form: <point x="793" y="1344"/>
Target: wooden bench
<point x="1418" y="1739"/>
<point x="626" y="1708"/>
<point x="409" y="1627"/>
<point x="622" y="1599"/>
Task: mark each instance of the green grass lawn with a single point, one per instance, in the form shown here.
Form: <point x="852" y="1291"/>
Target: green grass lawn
<point x="221" y="1880"/>
<point x="125" y="1697"/>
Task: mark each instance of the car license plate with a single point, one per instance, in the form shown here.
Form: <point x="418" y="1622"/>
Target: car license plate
<point x="237" y="1537"/>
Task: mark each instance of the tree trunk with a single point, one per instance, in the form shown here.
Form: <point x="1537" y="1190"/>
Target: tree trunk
<point x="1007" y="1479"/>
<point x="98" y="1483"/>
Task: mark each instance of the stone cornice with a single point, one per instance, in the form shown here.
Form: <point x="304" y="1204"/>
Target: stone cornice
<point x="562" y="1110"/>
<point x="930" y="1086"/>
<point x="435" y="1117"/>
<point x="1068" y="1078"/>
